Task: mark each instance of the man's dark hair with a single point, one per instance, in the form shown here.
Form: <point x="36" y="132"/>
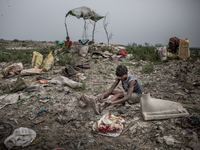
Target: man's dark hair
<point x="121" y="70"/>
<point x="67" y="37"/>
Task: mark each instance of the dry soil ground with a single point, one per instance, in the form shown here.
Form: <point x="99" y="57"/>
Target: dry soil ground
<point x="68" y="125"/>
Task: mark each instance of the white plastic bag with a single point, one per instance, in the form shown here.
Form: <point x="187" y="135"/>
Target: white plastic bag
<point x="84" y="50"/>
<point x="162" y="52"/>
<point x="8" y="99"/>
<point x="65" y="81"/>
<point x="113" y="123"/>
<point x="20" y="137"/>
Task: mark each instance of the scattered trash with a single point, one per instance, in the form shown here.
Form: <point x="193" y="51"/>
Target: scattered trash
<point x="20" y="137"/>
<point x="84" y="50"/>
<point x="38" y="114"/>
<point x="31" y="71"/>
<point x="114" y="58"/>
<point x="19" y="85"/>
<point x="31" y="89"/>
<point x="13" y="69"/>
<point x="162" y="52"/>
<point x="173" y="44"/>
<point x="61" y="80"/>
<point x="128" y="56"/>
<point x="184" y="51"/>
<point x="42" y="81"/>
<point x="169" y="140"/>
<point x="83" y="41"/>
<point x="86" y="66"/>
<point x="8" y="99"/>
<point x="122" y="52"/>
<point x="23" y="100"/>
<point x="37" y="122"/>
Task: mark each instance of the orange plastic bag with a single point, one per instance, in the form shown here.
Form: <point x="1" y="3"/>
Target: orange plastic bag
<point x="42" y="81"/>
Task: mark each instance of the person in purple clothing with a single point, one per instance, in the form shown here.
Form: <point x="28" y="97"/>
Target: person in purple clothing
<point x="132" y="90"/>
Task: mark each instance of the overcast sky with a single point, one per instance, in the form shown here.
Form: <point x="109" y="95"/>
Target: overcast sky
<point x="139" y="21"/>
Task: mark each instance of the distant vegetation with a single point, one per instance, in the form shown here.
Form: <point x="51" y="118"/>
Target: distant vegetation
<point x="139" y="52"/>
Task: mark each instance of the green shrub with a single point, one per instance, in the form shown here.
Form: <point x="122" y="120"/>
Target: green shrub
<point x="127" y="64"/>
<point x="15" y="40"/>
<point x="62" y="60"/>
<point x="195" y="54"/>
<point x="4" y="58"/>
<point x="2" y="41"/>
<point x="140" y="52"/>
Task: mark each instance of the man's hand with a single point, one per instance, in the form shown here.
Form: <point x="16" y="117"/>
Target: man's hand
<point x="109" y="103"/>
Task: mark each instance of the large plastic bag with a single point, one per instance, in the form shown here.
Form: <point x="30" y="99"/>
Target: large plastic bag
<point x="20" y="137"/>
<point x="37" y="60"/>
<point x="109" y="125"/>
<point x="85" y="13"/>
<point x="61" y="80"/>
<point x="48" y="62"/>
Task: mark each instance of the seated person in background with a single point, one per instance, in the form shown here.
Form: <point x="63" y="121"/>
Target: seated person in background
<point x="68" y="44"/>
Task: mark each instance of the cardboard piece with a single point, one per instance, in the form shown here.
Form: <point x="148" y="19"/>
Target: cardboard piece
<point x="184" y="51"/>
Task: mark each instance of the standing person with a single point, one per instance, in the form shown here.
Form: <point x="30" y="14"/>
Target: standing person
<point x="132" y="90"/>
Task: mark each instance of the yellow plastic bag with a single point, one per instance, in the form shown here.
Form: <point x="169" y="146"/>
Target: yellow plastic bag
<point x="37" y="60"/>
<point x="48" y="62"/>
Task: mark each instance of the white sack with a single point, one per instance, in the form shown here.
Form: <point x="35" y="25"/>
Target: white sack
<point x="84" y="50"/>
<point x="65" y="81"/>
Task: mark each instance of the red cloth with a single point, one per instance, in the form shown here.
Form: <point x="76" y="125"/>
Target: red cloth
<point x="122" y="52"/>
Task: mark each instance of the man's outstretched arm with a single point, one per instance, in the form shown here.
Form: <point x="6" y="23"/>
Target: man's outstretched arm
<point x="109" y="91"/>
<point x="128" y="96"/>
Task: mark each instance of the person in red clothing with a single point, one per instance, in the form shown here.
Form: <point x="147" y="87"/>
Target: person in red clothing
<point x="68" y="43"/>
